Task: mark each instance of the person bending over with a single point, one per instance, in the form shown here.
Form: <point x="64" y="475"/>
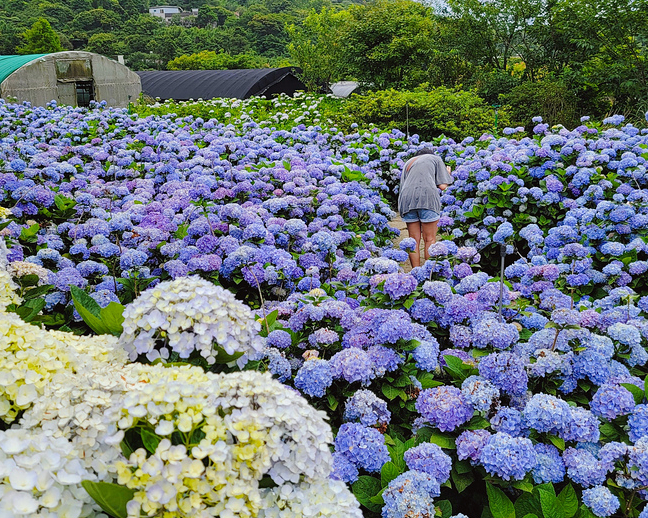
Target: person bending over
<point x="419" y="202"/>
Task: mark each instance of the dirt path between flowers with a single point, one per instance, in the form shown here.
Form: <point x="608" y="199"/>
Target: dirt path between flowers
<point x="400" y="225"/>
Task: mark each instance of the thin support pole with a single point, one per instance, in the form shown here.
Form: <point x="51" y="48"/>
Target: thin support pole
<point x="501" y="294"/>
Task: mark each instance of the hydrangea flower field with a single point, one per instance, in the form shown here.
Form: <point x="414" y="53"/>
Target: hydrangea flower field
<point x="210" y="317"/>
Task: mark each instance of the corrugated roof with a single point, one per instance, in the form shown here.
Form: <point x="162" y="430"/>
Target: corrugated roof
<point x="182" y="85"/>
<point x="9" y="64"/>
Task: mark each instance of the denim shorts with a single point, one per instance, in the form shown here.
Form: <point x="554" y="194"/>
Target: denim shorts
<point x="422" y="215"/>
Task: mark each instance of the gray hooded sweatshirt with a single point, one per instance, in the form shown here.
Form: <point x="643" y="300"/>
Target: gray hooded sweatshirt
<point x="418" y="185"/>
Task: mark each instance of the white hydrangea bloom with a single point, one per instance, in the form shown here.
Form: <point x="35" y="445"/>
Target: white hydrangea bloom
<point x="30" y="357"/>
<point x="73" y="406"/>
<point x="186" y="315"/>
<point x="323" y="498"/>
<point x="23" y="268"/>
<point x="236" y="429"/>
<point x="41" y="476"/>
<point x="8" y="287"/>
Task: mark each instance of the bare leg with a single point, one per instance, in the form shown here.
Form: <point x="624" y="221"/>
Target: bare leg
<point x="429" y="236"/>
<point x="414" y="230"/>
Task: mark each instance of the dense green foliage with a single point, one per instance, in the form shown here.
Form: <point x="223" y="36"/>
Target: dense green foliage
<point x="451" y="112"/>
<point x="40" y="39"/>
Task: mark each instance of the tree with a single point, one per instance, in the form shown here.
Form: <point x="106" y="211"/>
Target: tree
<point x="107" y="44"/>
<point x="210" y="60"/>
<point x="40" y="39"/>
<point x="389" y="42"/>
<point x="614" y="34"/>
<point x="316" y="47"/>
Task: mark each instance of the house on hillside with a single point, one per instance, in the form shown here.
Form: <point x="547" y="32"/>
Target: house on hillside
<point x="166" y="12"/>
<point x="182" y="85"/>
<point x="73" y="78"/>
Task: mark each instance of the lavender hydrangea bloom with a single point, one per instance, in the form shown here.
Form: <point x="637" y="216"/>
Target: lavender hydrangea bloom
<point x="444" y="407"/>
<point x="363" y="447"/>
<point x="508" y="457"/>
<point x="470" y="444"/>
<point x="429" y="458"/>
<point x="399" y="285"/>
<point x="352" y="365"/>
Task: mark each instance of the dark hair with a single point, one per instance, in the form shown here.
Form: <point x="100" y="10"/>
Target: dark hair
<point x="424" y="151"/>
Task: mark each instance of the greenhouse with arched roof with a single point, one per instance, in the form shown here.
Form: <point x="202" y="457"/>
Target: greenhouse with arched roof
<point x="73" y="78"/>
<point x="182" y="85"/>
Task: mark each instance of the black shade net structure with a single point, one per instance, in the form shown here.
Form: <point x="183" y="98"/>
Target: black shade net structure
<point x="181" y="85"/>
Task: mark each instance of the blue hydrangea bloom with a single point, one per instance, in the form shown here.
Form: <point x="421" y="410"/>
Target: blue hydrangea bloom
<point x="362" y="446"/>
<point x="426" y="355"/>
<point x="601" y="501"/>
<point x="638" y="423"/>
<point x="506" y="371"/>
<point x="546" y="413"/>
<point x="508" y="457"/>
<point x="611" y="401"/>
<point x="479" y="392"/>
<point x="366" y="407"/>
<point x="314" y="377"/>
<point x="550" y="467"/>
<point x="583" y="467"/>
<point x="410" y="494"/>
<point x="343" y="469"/>
<point x="445" y="407"/>
<point x="279" y="338"/>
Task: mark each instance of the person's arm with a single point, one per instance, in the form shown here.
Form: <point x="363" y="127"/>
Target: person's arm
<point x="442" y="186"/>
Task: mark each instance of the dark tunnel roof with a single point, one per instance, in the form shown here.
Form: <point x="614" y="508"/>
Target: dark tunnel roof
<point x="182" y="85"/>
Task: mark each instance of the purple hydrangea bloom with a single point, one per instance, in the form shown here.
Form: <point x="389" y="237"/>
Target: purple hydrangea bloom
<point x="399" y="285"/>
<point x="353" y="365"/>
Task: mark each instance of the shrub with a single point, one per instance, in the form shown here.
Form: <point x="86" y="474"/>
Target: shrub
<point x="551" y="100"/>
<point x="448" y="111"/>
